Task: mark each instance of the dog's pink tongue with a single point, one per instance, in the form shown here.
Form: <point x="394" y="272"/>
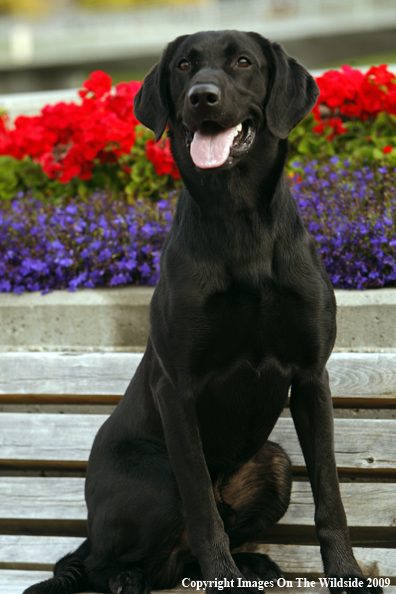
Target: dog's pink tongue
<point x="211" y="149"/>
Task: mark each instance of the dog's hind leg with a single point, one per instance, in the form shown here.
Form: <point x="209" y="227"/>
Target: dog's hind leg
<point x="251" y="500"/>
<point x="135" y="518"/>
<point x="139" y="532"/>
<point x="255" y="496"/>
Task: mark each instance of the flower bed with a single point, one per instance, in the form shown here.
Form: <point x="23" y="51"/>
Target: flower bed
<point x="355" y="116"/>
<point x="103" y="242"/>
<point x="87" y="196"/>
<point x="350" y="213"/>
<point x="73" y="149"/>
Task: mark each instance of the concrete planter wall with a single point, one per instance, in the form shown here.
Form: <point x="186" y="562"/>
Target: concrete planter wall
<point x="117" y="319"/>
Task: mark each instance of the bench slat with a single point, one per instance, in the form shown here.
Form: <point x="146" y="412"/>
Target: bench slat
<point x="25" y="436"/>
<point x="363" y="444"/>
<point x="362" y="375"/>
<point x="366" y="504"/>
<point x="42" y="498"/>
<point x="299" y="559"/>
<point x="67" y="373"/>
<point x="369" y="444"/>
<point x="352" y="375"/>
<point x="25" y="551"/>
<point x="14" y="581"/>
<point x="295" y="560"/>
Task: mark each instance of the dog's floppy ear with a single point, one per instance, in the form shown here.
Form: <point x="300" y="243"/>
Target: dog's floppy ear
<point x="293" y="92"/>
<point x="151" y="101"/>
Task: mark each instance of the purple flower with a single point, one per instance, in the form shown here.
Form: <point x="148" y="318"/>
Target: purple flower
<point x="85" y="244"/>
<point x="65" y="262"/>
<point x="57" y="245"/>
<point x="119" y="279"/>
<point x="5" y="285"/>
<point x="350" y="213"/>
<point x="148" y="229"/>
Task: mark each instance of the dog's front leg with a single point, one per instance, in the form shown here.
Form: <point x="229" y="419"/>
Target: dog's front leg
<point x="312" y="410"/>
<point x="208" y="541"/>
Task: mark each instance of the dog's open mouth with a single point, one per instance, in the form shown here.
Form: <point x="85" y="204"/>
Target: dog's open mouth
<point x="211" y="145"/>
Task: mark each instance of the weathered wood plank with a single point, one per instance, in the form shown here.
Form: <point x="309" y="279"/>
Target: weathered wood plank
<point x="297" y="560"/>
<point x="14" y="582"/>
<point x="362" y="375"/>
<point x="363" y="444"/>
<point x="43" y="551"/>
<point x="366" y="504"/>
<point x="67" y="373"/>
<point x="369" y="444"/>
<point x="352" y="375"/>
<point x="48" y="436"/>
<point x="29" y="551"/>
<point x="42" y="498"/>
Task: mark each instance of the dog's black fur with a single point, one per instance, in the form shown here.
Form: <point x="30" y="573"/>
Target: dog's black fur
<point x="182" y="472"/>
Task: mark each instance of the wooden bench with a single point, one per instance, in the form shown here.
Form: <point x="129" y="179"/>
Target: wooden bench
<point x="43" y="457"/>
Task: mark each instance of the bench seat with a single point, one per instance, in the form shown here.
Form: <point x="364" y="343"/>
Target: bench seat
<point x="43" y="456"/>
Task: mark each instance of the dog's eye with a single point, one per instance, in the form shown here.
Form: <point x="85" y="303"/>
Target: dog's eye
<point x="184" y="64"/>
<point x="243" y="62"/>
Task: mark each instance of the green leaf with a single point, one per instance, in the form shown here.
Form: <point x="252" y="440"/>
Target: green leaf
<point x="377" y="154"/>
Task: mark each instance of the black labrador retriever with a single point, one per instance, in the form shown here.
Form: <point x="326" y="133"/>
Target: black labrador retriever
<point x="182" y="473"/>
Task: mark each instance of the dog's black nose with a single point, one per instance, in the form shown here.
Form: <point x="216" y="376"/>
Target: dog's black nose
<point x="204" y="95"/>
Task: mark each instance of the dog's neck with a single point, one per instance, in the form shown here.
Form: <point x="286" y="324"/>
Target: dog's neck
<point x="238" y="215"/>
<point x="248" y="185"/>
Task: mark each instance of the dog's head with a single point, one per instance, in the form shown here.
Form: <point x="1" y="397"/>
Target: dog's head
<point x="218" y="88"/>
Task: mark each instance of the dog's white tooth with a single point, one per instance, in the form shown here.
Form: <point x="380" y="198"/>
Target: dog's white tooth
<point x="239" y="128"/>
<point x="236" y="132"/>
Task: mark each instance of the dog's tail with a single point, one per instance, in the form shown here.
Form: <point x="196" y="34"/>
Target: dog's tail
<point x="69" y="574"/>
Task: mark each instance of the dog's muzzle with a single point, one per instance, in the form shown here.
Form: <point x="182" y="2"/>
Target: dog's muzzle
<point x="212" y="144"/>
<point x="212" y="135"/>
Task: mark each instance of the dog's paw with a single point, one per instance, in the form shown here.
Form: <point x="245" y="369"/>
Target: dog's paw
<point x="130" y="582"/>
<point x="257" y="567"/>
<point x="256" y="573"/>
<point x="352" y="584"/>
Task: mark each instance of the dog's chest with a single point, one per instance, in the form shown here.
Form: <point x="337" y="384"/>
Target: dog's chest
<point x="244" y="325"/>
<point x="238" y="410"/>
<point x="253" y="343"/>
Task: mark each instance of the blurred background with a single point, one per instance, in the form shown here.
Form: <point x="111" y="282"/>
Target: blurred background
<point x="55" y="44"/>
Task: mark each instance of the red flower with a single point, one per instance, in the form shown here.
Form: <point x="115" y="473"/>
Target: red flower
<point x="99" y="84"/>
<point x="3" y="124"/>
<point x="161" y="157"/>
<point x="335" y="124"/>
<point x="354" y="95"/>
<point x="69" y="139"/>
<point x="387" y="149"/>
